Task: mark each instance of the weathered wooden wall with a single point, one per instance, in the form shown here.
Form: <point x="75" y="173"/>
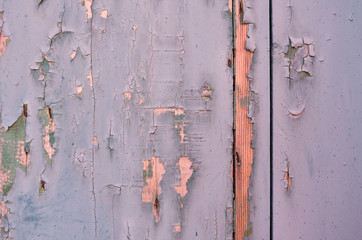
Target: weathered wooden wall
<point x="127" y="132"/>
<point x="317" y="110"/>
<point x="117" y="119"/>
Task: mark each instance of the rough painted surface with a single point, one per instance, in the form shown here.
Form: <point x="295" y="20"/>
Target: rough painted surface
<point x="317" y="119"/>
<point x="112" y="85"/>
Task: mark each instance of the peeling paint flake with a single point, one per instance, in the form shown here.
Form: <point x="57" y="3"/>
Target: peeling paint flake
<point x="185" y="172"/>
<point x="104" y="14"/>
<point x="152" y="175"/>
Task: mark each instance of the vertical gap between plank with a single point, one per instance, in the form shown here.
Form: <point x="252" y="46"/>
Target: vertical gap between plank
<point x="271" y="112"/>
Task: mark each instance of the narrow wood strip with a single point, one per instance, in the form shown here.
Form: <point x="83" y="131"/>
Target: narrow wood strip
<point x="243" y="126"/>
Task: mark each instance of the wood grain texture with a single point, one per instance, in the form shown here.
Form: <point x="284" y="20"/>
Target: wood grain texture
<point x="243" y="155"/>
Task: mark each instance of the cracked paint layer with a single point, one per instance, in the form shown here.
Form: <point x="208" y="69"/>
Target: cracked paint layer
<point x="49" y="127"/>
<point x="152" y="175"/>
<point x="243" y="151"/>
<point x="13" y="152"/>
<point x="185" y="172"/>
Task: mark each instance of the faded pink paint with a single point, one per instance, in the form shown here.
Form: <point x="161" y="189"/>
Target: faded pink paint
<point x="177" y="228"/>
<point x="185" y="172"/>
<point x="88" y="6"/>
<point x="176" y="111"/>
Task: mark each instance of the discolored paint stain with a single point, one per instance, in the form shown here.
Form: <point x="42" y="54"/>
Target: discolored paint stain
<point x="79" y="91"/>
<point x="152" y="173"/>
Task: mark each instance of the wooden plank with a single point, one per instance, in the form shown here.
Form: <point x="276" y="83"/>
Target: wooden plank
<point x="129" y="120"/>
<point x="251" y="149"/>
<point x="317" y="124"/>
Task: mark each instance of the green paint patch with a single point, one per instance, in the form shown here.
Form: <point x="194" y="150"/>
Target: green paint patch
<point x="149" y="170"/>
<point x="14" y="152"/>
<point x="248" y="230"/>
<point x="291" y="51"/>
<point x="48" y="138"/>
<point x="304" y="74"/>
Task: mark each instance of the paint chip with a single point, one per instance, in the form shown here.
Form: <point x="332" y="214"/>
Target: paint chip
<point x="177" y="228"/>
<point x="185" y="172"/>
<point x="88" y="6"/>
<point x="104" y="14"/>
<point x="72" y="55"/>
<point x="127" y="95"/>
<point x="79" y="91"/>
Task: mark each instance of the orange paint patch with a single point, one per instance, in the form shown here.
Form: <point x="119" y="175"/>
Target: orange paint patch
<point x="79" y="90"/>
<point x="21" y="155"/>
<point x="243" y="155"/>
<point x="89" y="76"/>
<point x="152" y="175"/>
<point x="88" y="6"/>
<point x="4" y="42"/>
<point x="104" y="14"/>
<point x="95" y="140"/>
<point x="185" y="172"/>
<point x="176" y="111"/>
<point x="72" y="55"/>
<point x="140" y="101"/>
<point x="127" y="95"/>
<point x="177" y="228"/>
